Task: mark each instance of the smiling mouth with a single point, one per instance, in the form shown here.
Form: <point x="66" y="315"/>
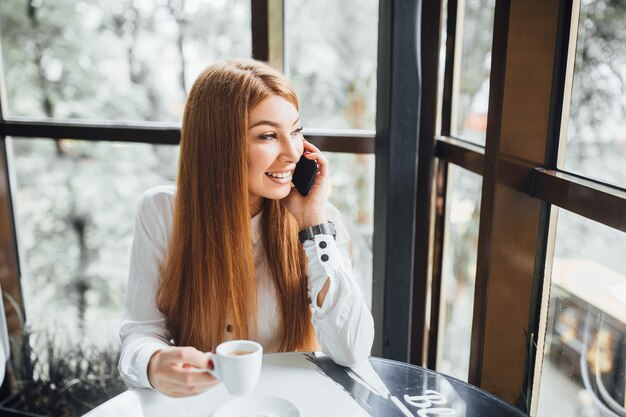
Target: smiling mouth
<point x="279" y="175"/>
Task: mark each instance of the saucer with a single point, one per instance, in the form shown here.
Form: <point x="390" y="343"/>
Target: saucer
<point x="258" y="406"/>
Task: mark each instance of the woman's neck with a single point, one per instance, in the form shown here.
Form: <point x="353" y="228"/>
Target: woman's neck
<point x="255" y="207"/>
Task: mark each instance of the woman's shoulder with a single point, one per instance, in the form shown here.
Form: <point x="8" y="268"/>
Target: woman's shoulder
<point x="158" y="196"/>
<point x="157" y="201"/>
<point x="155" y="213"/>
<point x="159" y="193"/>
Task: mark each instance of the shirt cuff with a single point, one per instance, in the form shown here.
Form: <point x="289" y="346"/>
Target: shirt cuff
<point x="143" y="359"/>
<point x="324" y="259"/>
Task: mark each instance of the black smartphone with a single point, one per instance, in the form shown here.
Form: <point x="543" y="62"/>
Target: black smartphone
<point x="304" y="175"/>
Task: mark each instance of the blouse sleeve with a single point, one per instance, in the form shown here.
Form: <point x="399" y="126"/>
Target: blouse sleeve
<point x="344" y="325"/>
<point x="143" y="330"/>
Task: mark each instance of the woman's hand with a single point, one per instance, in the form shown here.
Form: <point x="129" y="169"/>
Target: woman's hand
<point x="169" y="371"/>
<point x="310" y="210"/>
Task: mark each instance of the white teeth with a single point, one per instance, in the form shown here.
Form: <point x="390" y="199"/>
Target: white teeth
<point x="280" y="175"/>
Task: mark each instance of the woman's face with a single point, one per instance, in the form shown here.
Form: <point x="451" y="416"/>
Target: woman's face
<point x="274" y="148"/>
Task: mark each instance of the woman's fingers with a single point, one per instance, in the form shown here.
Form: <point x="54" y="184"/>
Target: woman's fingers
<point x="174" y="390"/>
<point x="193" y="357"/>
<point x="185" y="385"/>
<point x="322" y="162"/>
<point x="186" y="378"/>
<point x="173" y="372"/>
<point x="308" y="146"/>
<point x="315" y="154"/>
<point x="310" y="209"/>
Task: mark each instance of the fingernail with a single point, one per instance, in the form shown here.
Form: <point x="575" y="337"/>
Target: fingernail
<point x="307" y="152"/>
<point x="210" y="364"/>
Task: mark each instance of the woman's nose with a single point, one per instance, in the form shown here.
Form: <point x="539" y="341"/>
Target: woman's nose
<point x="292" y="149"/>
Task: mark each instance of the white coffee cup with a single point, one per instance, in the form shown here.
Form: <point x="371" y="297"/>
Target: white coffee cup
<point x="237" y="364"/>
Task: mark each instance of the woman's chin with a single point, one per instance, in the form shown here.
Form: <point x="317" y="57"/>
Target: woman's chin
<point x="279" y="194"/>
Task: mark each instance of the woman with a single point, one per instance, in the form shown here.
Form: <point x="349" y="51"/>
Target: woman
<point x="218" y="257"/>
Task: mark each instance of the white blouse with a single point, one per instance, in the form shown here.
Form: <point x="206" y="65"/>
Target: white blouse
<point x="343" y="325"/>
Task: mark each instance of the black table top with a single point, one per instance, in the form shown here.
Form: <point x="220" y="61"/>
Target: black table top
<point x="416" y="391"/>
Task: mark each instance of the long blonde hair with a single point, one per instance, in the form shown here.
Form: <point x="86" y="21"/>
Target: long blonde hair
<point x="208" y="275"/>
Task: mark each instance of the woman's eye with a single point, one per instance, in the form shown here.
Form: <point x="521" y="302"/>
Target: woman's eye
<point x="296" y="132"/>
<point x="268" y="136"/>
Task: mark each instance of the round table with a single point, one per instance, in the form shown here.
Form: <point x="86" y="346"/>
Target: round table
<point x="319" y="387"/>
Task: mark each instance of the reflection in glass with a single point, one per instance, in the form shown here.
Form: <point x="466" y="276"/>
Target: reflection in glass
<point x="114" y="60"/>
<point x="471" y="97"/>
<point x="330" y="52"/>
<point x="458" y="271"/>
<point x="585" y="346"/>
<point x="596" y="142"/>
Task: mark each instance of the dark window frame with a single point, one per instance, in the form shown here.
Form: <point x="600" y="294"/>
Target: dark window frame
<point x="510" y="178"/>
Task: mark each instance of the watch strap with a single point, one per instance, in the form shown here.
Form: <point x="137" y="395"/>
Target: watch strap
<point x="309" y="233"/>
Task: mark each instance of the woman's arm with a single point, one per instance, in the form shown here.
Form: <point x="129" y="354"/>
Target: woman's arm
<point x="343" y="324"/>
<point x="143" y="331"/>
<point x="147" y="360"/>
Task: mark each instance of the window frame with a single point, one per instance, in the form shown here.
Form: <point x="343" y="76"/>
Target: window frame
<point x="514" y="180"/>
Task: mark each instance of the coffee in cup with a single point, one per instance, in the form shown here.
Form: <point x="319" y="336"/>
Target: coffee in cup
<point x="239" y="352"/>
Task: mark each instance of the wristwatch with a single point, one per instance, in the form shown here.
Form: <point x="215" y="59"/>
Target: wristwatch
<point x="309" y="233"/>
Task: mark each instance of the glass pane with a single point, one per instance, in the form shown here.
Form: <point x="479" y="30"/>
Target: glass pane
<point x="114" y="60"/>
<point x="585" y="347"/>
<point x="596" y="142"/>
<point x="471" y="96"/>
<point x="330" y="52"/>
<point x="75" y="204"/>
<point x="352" y="192"/>
<point x="458" y="271"/>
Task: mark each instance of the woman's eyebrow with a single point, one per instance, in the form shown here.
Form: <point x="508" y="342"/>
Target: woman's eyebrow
<point x="271" y="123"/>
<point x="265" y="122"/>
